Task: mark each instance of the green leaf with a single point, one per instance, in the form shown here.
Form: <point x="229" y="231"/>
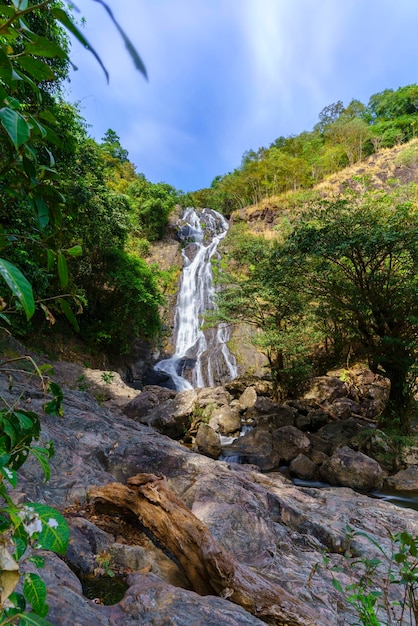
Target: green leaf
<point x="37" y="560"/>
<point x="54" y="406"/>
<point x="10" y="475"/>
<point x="55" y="533"/>
<point x="43" y="212"/>
<point x="62" y="269"/>
<point x="34" y="590"/>
<point x="69" y="314"/>
<point x="18" y="601"/>
<point x="50" y="260"/>
<point x="25" y="420"/>
<point x="42" y="456"/>
<point x="62" y="17"/>
<point x="31" y="619"/>
<point x="15" y="125"/>
<point x="337" y="585"/>
<point x="19" y="285"/>
<point x="37" y="69"/>
<point x="75" y="251"/>
<point x="43" y="47"/>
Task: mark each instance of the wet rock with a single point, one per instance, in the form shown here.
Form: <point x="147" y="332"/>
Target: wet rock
<point x="207" y="442"/>
<point x="354" y="469"/>
<point x="289" y="441"/>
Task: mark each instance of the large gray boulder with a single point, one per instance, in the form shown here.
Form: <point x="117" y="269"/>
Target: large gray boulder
<point x="207" y="441"/>
<point x="172" y="417"/>
<point x="256" y="447"/>
<point x="354" y="469"/>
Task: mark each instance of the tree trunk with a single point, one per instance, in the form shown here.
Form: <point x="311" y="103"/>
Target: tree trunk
<point x="209" y="568"/>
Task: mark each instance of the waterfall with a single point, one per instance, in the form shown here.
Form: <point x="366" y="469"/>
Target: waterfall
<point x="200" y="354"/>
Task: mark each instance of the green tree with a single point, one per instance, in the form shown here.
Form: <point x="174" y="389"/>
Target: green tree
<point x="256" y="291"/>
<point x="358" y="260"/>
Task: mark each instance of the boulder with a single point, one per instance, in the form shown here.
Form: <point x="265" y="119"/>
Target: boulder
<point x="172" y="417"/>
<point x="354" y="469"/>
<point x="207" y="442"/>
<point x="289" y="441"/>
<point x="405" y="480"/>
<point x="279" y="530"/>
<point x="255" y="448"/>
<point x="376" y="444"/>
<point x="325" y="389"/>
<point x="248" y="398"/>
<point x="150" y="397"/>
<point x="338" y="434"/>
<point x="225" y="420"/>
<point x="303" y="467"/>
<point x="278" y="414"/>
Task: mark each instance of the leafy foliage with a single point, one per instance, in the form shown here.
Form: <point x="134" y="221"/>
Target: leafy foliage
<point x="391" y="569"/>
<point x="358" y="260"/>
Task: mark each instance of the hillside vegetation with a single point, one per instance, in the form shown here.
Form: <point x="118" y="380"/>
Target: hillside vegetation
<point x="329" y="275"/>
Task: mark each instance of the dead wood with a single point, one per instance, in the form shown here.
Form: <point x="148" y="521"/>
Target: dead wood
<point x="209" y="568"/>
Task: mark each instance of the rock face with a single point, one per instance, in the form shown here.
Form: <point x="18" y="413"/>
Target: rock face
<point x="279" y="530"/>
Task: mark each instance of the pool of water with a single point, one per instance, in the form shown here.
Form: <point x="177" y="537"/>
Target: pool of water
<point x="108" y="590"/>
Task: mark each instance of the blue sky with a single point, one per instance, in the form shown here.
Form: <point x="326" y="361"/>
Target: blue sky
<point x="226" y="76"/>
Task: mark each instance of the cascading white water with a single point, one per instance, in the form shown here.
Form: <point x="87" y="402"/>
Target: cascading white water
<point x="203" y="353"/>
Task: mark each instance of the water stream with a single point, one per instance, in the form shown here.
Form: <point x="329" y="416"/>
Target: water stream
<point x="201" y="357"/>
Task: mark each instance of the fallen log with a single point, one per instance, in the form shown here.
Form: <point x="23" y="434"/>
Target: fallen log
<point x="210" y="569"/>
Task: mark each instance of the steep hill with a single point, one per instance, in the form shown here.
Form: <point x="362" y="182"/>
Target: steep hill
<point x="388" y="168"/>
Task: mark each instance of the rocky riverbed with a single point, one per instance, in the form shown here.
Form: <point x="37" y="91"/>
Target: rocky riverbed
<point x="266" y="523"/>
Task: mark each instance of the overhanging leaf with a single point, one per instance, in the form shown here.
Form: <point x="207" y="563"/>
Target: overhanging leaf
<point x="19" y="285"/>
<point x="129" y="46"/>
<point x="15" y="125"/>
<point x="62" y="17"/>
<point x="69" y="315"/>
